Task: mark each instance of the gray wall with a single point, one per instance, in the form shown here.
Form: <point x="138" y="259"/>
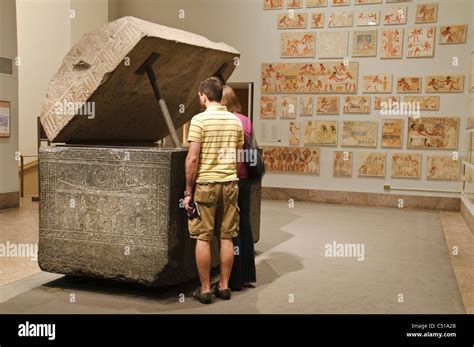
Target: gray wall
<point x="244" y="25"/>
<point x="9" y="92"/>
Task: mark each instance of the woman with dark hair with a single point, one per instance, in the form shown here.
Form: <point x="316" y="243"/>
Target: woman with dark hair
<point x="243" y="270"/>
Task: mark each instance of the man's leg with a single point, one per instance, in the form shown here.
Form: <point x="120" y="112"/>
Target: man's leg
<point x="203" y="262"/>
<point x="226" y="259"/>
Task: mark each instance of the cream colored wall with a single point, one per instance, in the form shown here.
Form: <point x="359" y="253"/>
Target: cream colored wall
<point x="9" y="92"/>
<point x="89" y="14"/>
<point x="244" y="25"/>
<point x="43" y="40"/>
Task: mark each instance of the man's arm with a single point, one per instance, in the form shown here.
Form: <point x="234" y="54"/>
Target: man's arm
<point x="191" y="164"/>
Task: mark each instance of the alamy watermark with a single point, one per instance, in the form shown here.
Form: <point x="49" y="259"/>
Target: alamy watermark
<point x="227" y="155"/>
<point x="19" y="250"/>
<point x="345" y="250"/>
<point x="71" y="108"/>
<point x="394" y="108"/>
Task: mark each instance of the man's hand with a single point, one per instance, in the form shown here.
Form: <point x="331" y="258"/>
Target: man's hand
<point x="187" y="201"/>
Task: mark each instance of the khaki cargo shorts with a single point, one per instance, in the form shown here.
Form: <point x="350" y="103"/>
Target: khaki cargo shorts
<point x="217" y="204"/>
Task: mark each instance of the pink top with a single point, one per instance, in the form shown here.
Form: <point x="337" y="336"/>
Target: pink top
<point x="247" y="126"/>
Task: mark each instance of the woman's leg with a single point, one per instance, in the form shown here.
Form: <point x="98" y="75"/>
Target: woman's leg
<point x="247" y="251"/>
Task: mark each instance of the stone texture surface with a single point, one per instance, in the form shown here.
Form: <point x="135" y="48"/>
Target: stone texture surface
<point x="114" y="213"/>
<point x="9" y="200"/>
<point x="362" y="199"/>
<point x="96" y="70"/>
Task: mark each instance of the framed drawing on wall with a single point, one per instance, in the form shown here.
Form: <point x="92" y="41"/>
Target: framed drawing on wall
<point x="392" y="133"/>
<point x="421" y="42"/>
<point x="367" y="2"/>
<point x="427" y="103"/>
<point x="292" y="159"/>
<point x="306" y="106"/>
<point x="294" y="3"/>
<point x="385" y="102"/>
<point x="317" y="20"/>
<point x="442" y="168"/>
<point x="377" y="84"/>
<point x="340" y="2"/>
<point x="409" y="85"/>
<point x="368" y="18"/>
<point x="341" y="19"/>
<point x="268" y="107"/>
<point x="471" y="88"/>
<point x="426" y="13"/>
<point x="333" y="44"/>
<point x="406" y="165"/>
<point x="318" y="133"/>
<point x="359" y="133"/>
<point x="433" y="133"/>
<point x="452" y="34"/>
<point x="395" y="15"/>
<point x="342" y="164"/>
<point x="5" y="119"/>
<point x="296" y="20"/>
<point x="356" y="104"/>
<point x="316" y="3"/>
<point x="372" y="164"/>
<point x="294" y="129"/>
<point x="272" y="4"/>
<point x="392" y="43"/>
<point x="297" y="45"/>
<point x="364" y="43"/>
<point x="287" y="107"/>
<point x="327" y="105"/>
<point x="444" y="84"/>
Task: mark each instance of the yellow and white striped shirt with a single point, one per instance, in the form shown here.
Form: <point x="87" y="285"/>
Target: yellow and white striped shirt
<point x="220" y="133"/>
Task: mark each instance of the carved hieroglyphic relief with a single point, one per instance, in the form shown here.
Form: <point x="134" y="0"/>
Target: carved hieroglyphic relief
<point x="433" y="132"/>
<point x="372" y="164"/>
<point x="406" y="165"/>
<point x="292" y="159"/>
<point x="342" y="163"/>
<point x="442" y="168"/>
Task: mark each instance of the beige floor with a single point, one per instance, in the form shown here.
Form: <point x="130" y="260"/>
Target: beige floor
<point x="405" y="253"/>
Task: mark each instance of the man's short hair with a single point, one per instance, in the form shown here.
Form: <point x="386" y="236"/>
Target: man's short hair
<point x="212" y="87"/>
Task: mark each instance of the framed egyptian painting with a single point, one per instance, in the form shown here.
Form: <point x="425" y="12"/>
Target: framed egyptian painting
<point x="317" y="20"/>
<point x="442" y="168"/>
<point x="297" y="44"/>
<point x="355" y="104"/>
<point x="409" y="85"/>
<point x="5" y="119"/>
<point x="367" y="18"/>
<point x="272" y="4"/>
<point x="372" y="164"/>
<point x="342" y="163"/>
<point x="327" y="77"/>
<point x="292" y="159"/>
<point x="294" y="131"/>
<point x="427" y="103"/>
<point x="359" y="133"/>
<point x="433" y="133"/>
<point x="294" y="4"/>
<point x="333" y="44"/>
<point x="364" y="43"/>
<point x="287" y="107"/>
<point x="392" y="43"/>
<point x="320" y="133"/>
<point x="268" y="107"/>
<point x="316" y="3"/>
<point x="420" y="42"/>
<point x="392" y="133"/>
<point x="406" y="165"/>
<point x="444" y="84"/>
<point x="341" y="19"/>
<point x="452" y="34"/>
<point x="293" y="20"/>
<point x="377" y="84"/>
<point x="395" y="15"/>
<point x="340" y="2"/>
<point x="306" y="106"/>
<point x="327" y="105"/>
<point x="426" y="13"/>
<point x="385" y="102"/>
<point x="367" y="2"/>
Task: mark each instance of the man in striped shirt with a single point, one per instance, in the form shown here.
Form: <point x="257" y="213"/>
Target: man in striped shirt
<point x="215" y="136"/>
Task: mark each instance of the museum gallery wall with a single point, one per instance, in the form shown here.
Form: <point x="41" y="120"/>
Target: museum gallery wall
<point x="365" y="92"/>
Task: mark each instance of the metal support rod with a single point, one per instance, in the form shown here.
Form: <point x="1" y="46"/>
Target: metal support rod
<point x="22" y="176"/>
<point x="425" y="190"/>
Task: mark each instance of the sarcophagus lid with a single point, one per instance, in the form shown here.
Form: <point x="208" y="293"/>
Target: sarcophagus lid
<point x="99" y="96"/>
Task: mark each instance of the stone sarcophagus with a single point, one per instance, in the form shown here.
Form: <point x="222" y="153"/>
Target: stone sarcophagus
<point x="109" y="196"/>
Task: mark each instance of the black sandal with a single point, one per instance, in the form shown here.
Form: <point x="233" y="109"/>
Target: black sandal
<point x="203" y="298"/>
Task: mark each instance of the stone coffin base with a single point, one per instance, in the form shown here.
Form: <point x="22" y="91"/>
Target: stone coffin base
<point x="115" y="213"/>
<point x="362" y="199"/>
<point x="9" y="200"/>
